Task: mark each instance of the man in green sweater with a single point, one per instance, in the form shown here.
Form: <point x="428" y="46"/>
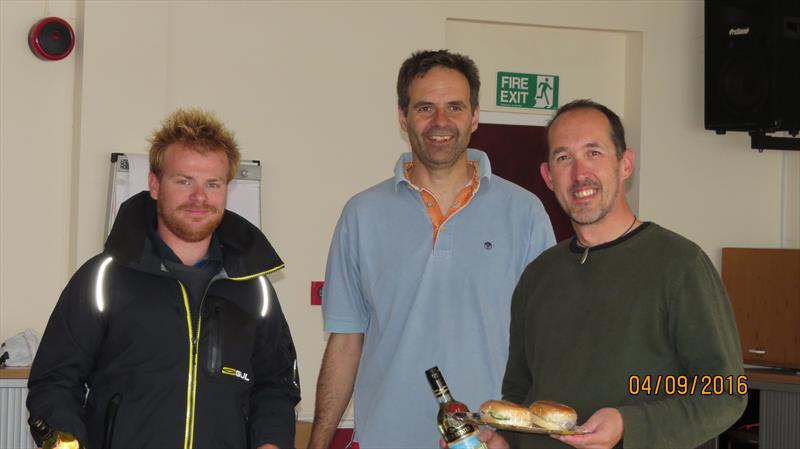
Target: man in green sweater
<point x="628" y="322"/>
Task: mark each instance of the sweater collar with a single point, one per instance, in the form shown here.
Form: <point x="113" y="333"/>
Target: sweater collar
<point x="574" y="247"/>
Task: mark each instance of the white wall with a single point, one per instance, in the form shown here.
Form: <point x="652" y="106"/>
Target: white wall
<point x="36" y="169"/>
<point x="309" y="89"/>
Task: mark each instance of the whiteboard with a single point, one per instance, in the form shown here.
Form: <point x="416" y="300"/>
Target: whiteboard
<point x="129" y="177"/>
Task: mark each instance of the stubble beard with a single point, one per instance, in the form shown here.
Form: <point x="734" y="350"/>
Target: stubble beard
<point x="189" y="230"/>
<point x="456" y="148"/>
<point x="586" y="215"/>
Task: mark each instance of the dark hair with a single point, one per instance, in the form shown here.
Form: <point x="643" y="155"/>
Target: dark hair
<point x="420" y="62"/>
<point x="615" y="124"/>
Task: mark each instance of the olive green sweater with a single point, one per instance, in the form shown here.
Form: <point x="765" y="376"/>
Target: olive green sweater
<point x="649" y="304"/>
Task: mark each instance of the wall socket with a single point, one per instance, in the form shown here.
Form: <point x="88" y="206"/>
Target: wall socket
<point x="316" y="292"/>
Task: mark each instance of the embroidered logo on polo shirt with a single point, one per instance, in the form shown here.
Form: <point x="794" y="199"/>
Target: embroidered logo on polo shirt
<point x="487" y="245"/>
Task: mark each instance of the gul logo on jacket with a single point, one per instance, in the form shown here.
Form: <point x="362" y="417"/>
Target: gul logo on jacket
<point x="236" y="373"/>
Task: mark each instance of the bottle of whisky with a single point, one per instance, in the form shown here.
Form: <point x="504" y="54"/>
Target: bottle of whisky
<point x="50" y="438"/>
<point x="457" y="434"/>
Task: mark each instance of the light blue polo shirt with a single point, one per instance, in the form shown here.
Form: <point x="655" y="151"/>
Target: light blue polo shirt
<point x="421" y="306"/>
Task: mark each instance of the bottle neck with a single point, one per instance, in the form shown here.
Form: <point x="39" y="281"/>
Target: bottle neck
<point x="443" y="398"/>
<point x="43" y="431"/>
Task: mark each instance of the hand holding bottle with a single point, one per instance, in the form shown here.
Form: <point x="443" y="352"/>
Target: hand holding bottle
<point x="52" y="439"/>
<point x="457" y="434"/>
<point x="489" y="437"/>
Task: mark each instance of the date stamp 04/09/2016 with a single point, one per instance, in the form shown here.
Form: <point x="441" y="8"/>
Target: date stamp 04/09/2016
<point x="707" y="385"/>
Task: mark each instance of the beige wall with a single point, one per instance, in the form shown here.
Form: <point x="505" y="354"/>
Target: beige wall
<point x="309" y="89"/>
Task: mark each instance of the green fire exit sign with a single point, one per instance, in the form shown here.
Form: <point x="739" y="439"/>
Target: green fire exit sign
<point x="527" y="90"/>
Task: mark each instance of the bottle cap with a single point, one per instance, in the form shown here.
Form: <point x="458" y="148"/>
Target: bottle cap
<point x="435" y="378"/>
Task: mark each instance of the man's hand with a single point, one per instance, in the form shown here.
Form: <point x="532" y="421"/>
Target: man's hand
<point x="488" y="436"/>
<point x="605" y="430"/>
<point x="492" y="439"/>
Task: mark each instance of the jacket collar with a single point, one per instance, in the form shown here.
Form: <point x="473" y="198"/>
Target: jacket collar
<point x="245" y="249"/>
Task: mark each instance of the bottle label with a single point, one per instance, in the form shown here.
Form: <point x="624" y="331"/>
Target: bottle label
<point x="451" y="428"/>
<point x="468" y="442"/>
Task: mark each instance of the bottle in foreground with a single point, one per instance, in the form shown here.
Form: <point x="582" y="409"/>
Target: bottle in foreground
<point x="52" y="439"/>
<point x="457" y="434"/>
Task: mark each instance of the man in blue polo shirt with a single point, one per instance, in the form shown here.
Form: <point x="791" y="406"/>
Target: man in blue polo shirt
<point x="421" y="270"/>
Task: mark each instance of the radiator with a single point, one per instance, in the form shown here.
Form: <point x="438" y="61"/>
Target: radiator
<point x="14" y="430"/>
<point x="780" y="420"/>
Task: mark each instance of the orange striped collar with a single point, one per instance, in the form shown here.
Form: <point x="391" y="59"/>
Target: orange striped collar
<point x="465" y="195"/>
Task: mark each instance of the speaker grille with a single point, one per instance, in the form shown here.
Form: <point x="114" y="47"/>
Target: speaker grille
<point x="743" y="84"/>
<point x="752" y="65"/>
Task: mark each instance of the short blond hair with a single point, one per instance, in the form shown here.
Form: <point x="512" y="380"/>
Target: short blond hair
<point x="197" y="129"/>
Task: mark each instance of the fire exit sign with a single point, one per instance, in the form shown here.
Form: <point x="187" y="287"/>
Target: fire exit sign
<point x="527" y="90"/>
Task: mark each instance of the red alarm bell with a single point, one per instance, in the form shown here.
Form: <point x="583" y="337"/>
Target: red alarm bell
<point x="51" y="39"/>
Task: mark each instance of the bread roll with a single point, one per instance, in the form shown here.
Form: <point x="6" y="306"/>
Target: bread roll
<point x="553" y="416"/>
<point x="505" y="413"/>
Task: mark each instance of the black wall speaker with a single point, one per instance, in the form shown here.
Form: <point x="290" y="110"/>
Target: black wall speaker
<point x="51" y="39"/>
<point x="752" y="65"/>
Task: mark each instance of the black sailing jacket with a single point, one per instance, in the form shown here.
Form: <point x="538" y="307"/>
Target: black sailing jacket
<point x="122" y="329"/>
